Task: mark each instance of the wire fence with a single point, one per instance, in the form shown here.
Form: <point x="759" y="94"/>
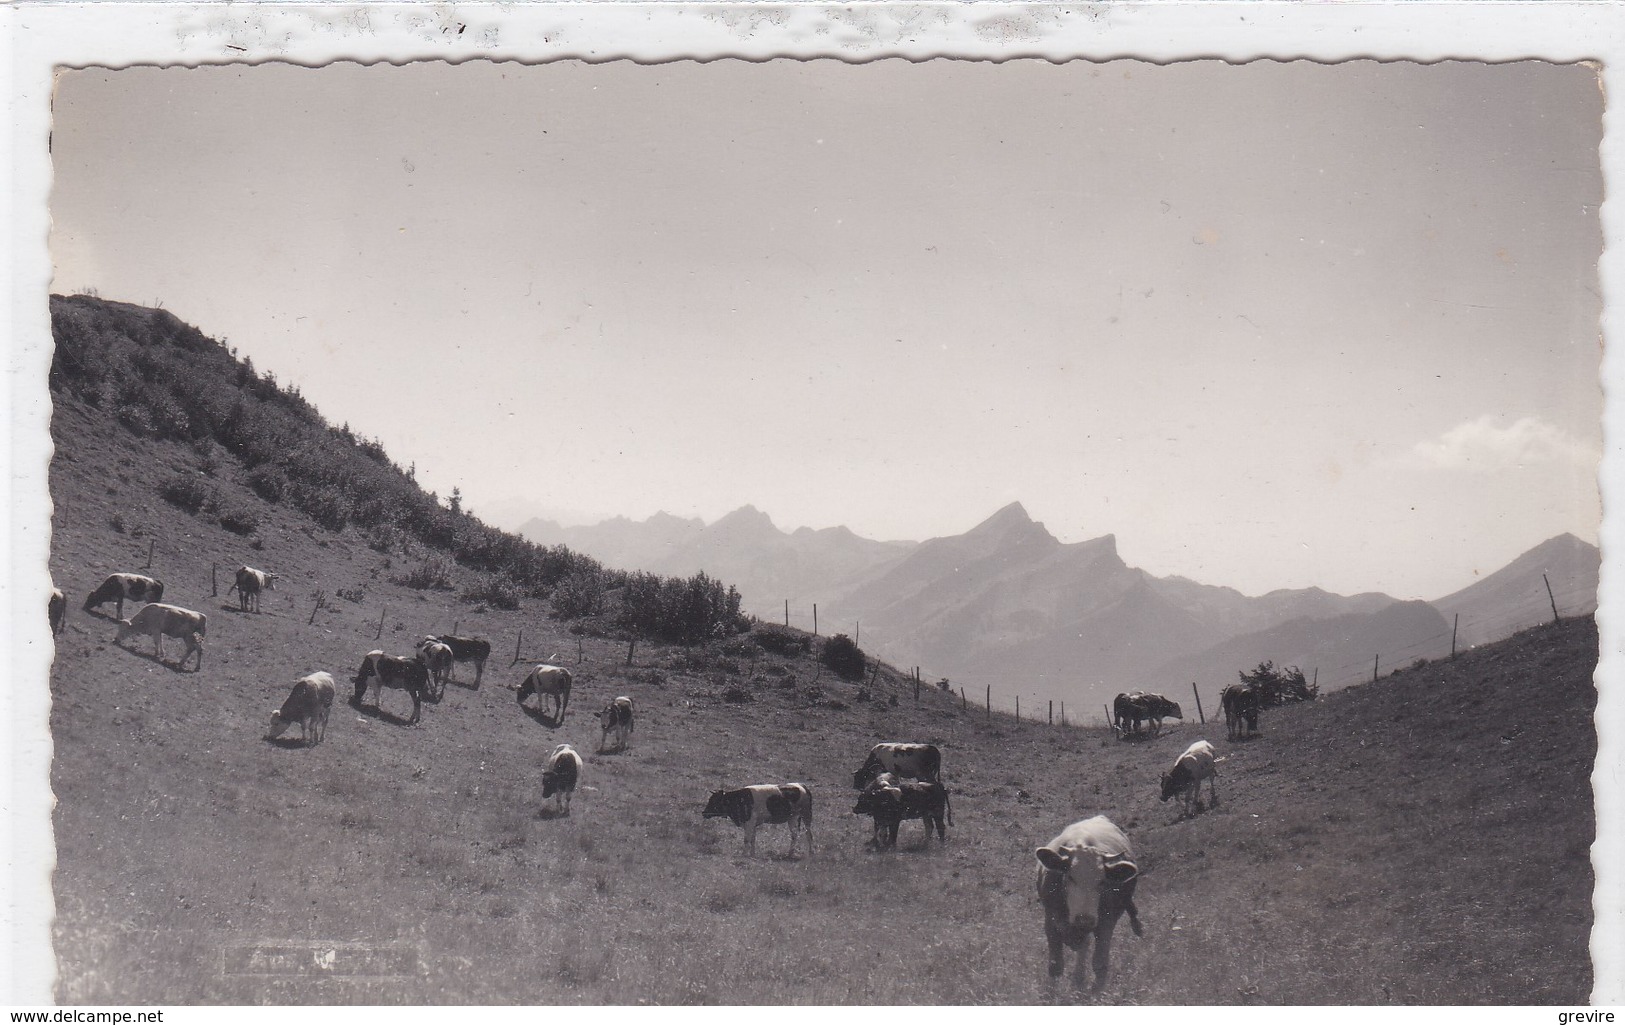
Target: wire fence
<point x="1462" y="633"/>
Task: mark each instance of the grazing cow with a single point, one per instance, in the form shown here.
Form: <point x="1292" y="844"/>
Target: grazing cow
<point x="439" y="660"/>
<point x="308" y="705"/>
<point x="121" y="586"/>
<point x="548" y="682"/>
<point x="1132" y="709"/>
<point x="160" y="621"/>
<point x="57" y="609"/>
<point x="915" y="761"/>
<point x="752" y="806"/>
<point x="560" y="775"/>
<point x="1240" y="703"/>
<point x="889" y="800"/>
<point x="408" y="674"/>
<point x="466" y="649"/>
<point x="615" y="718"/>
<point x="1086" y="880"/>
<point x="1185" y="778"/>
<point x="250" y="582"/>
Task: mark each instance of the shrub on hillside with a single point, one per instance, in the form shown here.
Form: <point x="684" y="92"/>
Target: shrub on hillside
<point x="185" y="491"/>
<point x="235" y="516"/>
<point x="433" y="574"/>
<point x="1279" y="686"/>
<point x="682" y="611"/>
<point x="781" y="640"/>
<point x="579" y="595"/>
<point x="268" y="482"/>
<point x="497" y="592"/>
<point x="841" y="654"/>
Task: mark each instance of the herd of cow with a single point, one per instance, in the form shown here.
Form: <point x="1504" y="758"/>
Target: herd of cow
<point x="1086" y="873"/>
<point x="1239" y="702"/>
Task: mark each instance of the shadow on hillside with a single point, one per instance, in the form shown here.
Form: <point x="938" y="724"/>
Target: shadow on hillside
<point x="174" y="667"/>
<point x="546" y="814"/>
<point x="382" y="715"/>
<point x="286" y="743"/>
<point x="542" y="717"/>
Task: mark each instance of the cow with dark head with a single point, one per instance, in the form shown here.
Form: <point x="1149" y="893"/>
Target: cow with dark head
<point x="1240" y="704"/>
<point x="749" y="807"/>
<point x="1086" y="880"/>
<point x="560" y="776"/>
<point x="889" y="800"/>
<point x="912" y="761"/>
<point x="616" y="718"/>
<point x="379" y="670"/>
<point x="1129" y="710"/>
<point x="121" y="587"/>
<point x="1184" y="780"/>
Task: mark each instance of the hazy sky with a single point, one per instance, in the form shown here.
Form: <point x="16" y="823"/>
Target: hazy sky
<point x="1272" y="325"/>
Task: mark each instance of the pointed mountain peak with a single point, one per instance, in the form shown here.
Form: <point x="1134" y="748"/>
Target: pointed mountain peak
<point x="1010" y="522"/>
<point x="746" y="515"/>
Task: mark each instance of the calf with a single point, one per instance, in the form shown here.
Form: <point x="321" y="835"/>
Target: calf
<point x="437" y="657"/>
<point x="308" y="705"/>
<point x="250" y="582"/>
<point x="57" y="609"/>
<point x="120" y="586"/>
<point x="1240" y="704"/>
<point x="1185" y="778"/>
<point x="548" y="682"/>
<point x="408" y="674"/>
<point x="1086" y="880"/>
<point x="754" y="805"/>
<point x="162" y="621"/>
<point x="616" y="718"/>
<point x="560" y="776"/>
<point x="916" y="761"/>
<point x="889" y="800"/>
<point x="466" y="649"/>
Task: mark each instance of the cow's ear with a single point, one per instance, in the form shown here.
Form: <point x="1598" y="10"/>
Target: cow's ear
<point x="1121" y="870"/>
<point x="1051" y="858"/>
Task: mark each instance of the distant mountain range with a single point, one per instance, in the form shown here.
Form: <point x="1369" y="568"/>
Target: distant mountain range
<point x="1007" y="604"/>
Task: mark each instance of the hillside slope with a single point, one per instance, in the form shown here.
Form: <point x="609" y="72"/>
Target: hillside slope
<point x="1422" y="839"/>
<point x="1516" y="595"/>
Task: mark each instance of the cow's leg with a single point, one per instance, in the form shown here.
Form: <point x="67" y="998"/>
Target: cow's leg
<point x="1057" y="951"/>
<point x="1213" y="790"/>
<point x="1103" y="949"/>
<point x="750" y="836"/>
<point x="417" y="707"/>
<point x="1133" y="916"/>
<point x="479" y="672"/>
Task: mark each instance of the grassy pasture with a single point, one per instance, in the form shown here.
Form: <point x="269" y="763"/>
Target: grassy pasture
<point x="1424" y="839"/>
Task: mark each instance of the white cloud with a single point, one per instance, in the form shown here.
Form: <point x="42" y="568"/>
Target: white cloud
<point x="1482" y="446"/>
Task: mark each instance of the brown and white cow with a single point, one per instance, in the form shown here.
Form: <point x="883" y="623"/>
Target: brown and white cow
<point x="1184" y="780"/>
<point x="438" y="658"/>
<point x="57" y="609"/>
<point x="616" y="718"/>
<point x="1086" y="881"/>
<point x="308" y="704"/>
<point x="465" y="649"/>
<point x="914" y="761"/>
<point x="159" y="621"/>
<point x="381" y="670"/>
<point x="889" y="800"/>
<point x="560" y="776"/>
<point x="545" y="682"/>
<point x="764" y="804"/>
<point x="119" y="587"/>
<point x="250" y="582"/>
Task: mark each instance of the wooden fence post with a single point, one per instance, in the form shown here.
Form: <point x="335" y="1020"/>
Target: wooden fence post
<point x="1052" y="711"/>
<point x="380" y="631"/>
<point x="630" y="648"/>
<point x="1018" y="708"/>
<point x="1199" y="713"/>
<point x="1063" y="713"/>
<point x="1108" y="711"/>
<point x="214" y="585"/>
<point x="579" y="653"/>
<point x="916" y="690"/>
<point x="1453" y="628"/>
<point x="150" y="543"/>
<point x="787" y="612"/>
<point x="1555" y="617"/>
<point x="516" y="644"/>
<point x="990" y="702"/>
<point x="1375" y="659"/>
<point x="963" y="704"/>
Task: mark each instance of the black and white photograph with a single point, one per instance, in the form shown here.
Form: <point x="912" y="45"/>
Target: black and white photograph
<point x="842" y="524"/>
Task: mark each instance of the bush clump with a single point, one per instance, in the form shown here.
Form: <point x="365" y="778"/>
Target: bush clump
<point x="841" y="654"/>
<point x="781" y="640"/>
<point x="187" y="492"/>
